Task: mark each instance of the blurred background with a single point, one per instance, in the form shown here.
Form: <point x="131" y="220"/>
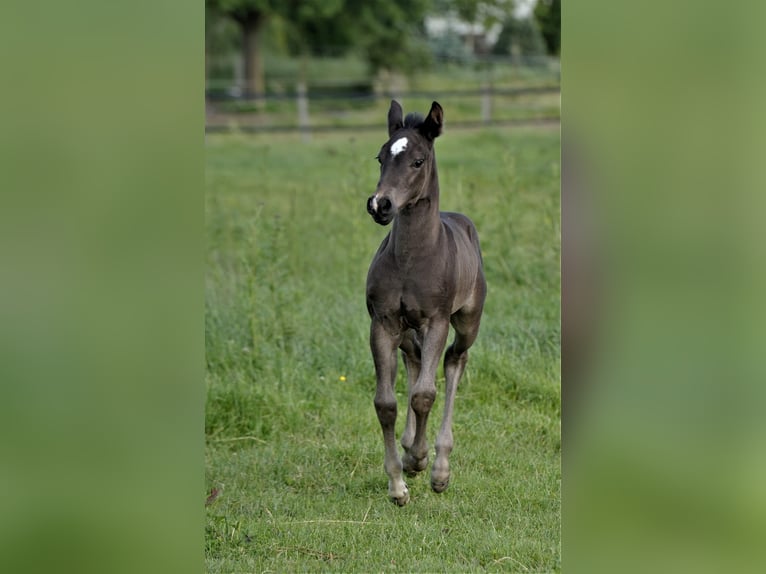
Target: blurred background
<point x="332" y="65"/>
<point x="102" y="227"/>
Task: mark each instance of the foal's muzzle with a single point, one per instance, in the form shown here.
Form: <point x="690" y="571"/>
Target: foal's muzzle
<point x="381" y="209"/>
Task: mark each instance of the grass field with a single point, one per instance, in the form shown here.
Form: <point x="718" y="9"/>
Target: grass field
<point x="293" y="443"/>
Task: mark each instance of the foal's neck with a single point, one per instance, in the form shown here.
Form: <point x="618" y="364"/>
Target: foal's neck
<point x="418" y="228"/>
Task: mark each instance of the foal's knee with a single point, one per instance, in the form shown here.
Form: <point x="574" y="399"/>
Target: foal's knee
<point x="422" y="401"/>
<point x="386" y="410"/>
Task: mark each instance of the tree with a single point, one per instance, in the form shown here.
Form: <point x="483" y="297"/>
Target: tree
<point x="250" y="15"/>
<point x="486" y="13"/>
<point x="520" y="37"/>
<point x="315" y="26"/>
<point x="221" y="37"/>
<point x="384" y="31"/>
<point x="390" y="33"/>
<point x="548" y="16"/>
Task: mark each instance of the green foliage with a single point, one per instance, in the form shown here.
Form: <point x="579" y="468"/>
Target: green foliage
<point x="317" y="27"/>
<point x="520" y="37"/>
<point x="387" y="33"/>
<point x="486" y="12"/>
<point x="240" y="9"/>
<point x="293" y="443"/>
<point x="390" y="32"/>
<point x="221" y="34"/>
<point x="548" y="16"/>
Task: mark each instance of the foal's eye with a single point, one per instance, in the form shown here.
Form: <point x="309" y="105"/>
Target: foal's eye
<point x="377" y="157"/>
<point x="418" y="163"/>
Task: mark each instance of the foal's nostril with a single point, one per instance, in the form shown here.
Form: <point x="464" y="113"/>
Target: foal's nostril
<point x="382" y="205"/>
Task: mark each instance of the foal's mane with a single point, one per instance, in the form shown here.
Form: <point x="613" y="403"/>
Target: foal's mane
<point x="413" y="120"/>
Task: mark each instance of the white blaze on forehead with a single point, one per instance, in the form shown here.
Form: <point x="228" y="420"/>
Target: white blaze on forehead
<point x="398" y="146"/>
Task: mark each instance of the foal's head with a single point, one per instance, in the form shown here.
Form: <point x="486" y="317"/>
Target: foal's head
<point x="406" y="162"/>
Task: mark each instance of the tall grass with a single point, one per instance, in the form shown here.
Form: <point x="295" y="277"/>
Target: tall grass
<point x="294" y="446"/>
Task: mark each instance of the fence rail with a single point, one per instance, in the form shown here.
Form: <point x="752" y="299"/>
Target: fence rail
<point x="539" y="121"/>
<point x="338" y="94"/>
<point x="223" y="96"/>
<point x="226" y="112"/>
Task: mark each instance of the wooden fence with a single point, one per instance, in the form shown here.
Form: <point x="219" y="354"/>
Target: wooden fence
<point x="305" y="111"/>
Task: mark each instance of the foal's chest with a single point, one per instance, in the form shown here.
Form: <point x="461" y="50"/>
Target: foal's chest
<point x="402" y="304"/>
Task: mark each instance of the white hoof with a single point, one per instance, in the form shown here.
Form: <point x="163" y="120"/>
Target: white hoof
<point x="400" y="499"/>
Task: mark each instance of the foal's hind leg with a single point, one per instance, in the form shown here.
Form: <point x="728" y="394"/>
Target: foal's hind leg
<point x="455" y="359"/>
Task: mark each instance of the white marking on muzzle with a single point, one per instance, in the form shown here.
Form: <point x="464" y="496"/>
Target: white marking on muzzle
<point x="398" y="146"/>
<point x="375" y="202"/>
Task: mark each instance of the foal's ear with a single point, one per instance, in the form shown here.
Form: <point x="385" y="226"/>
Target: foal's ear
<point x="432" y="126"/>
<point x="394" y="118"/>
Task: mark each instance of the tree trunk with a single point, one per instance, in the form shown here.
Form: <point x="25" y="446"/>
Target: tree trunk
<point x="251" y="55"/>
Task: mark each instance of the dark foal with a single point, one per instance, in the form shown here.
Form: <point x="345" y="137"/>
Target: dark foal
<point x="426" y="274"/>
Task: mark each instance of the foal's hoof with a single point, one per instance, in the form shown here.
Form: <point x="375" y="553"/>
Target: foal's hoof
<point x="401" y="500"/>
<point x="439" y="486"/>
<point x="440" y="474"/>
<point x="412" y="466"/>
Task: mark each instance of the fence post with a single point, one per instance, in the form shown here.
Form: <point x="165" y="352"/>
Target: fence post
<point x="486" y="91"/>
<point x="303" y="111"/>
<point x="486" y="103"/>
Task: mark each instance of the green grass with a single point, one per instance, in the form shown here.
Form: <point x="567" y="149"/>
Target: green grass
<point x="295" y="451"/>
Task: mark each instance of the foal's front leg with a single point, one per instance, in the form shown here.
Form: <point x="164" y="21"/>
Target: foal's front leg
<point x="383" y="346"/>
<point x="423" y="393"/>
